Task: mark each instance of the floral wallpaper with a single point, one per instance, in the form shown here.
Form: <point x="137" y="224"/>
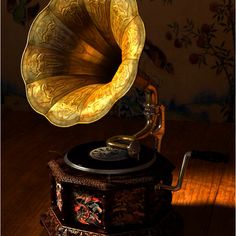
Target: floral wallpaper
<point x="215" y="53"/>
<point x="189" y="54"/>
<point x="191" y="46"/>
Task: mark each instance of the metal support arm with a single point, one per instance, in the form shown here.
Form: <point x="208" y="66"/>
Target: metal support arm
<point x="155" y="126"/>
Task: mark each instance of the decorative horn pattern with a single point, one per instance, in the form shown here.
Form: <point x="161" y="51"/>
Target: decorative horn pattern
<point x="81" y="57"/>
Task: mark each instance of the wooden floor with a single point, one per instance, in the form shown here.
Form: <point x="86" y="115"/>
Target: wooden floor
<point x="206" y="201"/>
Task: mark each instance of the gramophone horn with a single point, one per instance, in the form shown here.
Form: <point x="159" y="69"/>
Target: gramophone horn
<point x="81" y="57"/>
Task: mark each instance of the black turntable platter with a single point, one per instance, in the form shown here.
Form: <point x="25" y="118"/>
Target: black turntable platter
<point x="96" y="157"/>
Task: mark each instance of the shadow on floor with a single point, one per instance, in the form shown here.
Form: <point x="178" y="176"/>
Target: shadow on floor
<point x="206" y="220"/>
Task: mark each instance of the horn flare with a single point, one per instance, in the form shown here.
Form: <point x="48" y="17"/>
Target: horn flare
<point x="81" y="57"/>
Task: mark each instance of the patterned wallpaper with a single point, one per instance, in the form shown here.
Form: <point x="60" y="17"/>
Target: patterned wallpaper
<point x="191" y="56"/>
<point x="189" y="53"/>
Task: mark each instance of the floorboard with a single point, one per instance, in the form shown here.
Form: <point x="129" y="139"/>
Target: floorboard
<point x="206" y="201"/>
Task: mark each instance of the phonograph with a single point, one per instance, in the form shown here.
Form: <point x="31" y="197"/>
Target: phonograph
<point x="81" y="57"/>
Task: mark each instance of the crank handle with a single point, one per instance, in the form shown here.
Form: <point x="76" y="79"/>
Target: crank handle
<point x="202" y="155"/>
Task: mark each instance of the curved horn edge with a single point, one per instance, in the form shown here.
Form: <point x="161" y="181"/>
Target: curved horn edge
<point x="98" y="99"/>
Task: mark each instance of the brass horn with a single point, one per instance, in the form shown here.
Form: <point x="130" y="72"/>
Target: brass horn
<point x="81" y="57"/>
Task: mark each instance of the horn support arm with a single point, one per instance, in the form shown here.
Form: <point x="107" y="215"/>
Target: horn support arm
<point x="155" y="125"/>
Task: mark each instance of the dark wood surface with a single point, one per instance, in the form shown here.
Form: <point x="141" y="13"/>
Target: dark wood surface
<point x="206" y="201"/>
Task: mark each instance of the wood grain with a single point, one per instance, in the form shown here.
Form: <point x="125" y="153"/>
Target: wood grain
<point x="206" y="202"/>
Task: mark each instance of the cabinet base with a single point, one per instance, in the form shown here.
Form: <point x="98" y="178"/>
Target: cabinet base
<point x="170" y="225"/>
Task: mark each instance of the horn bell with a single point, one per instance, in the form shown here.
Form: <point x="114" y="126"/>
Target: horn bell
<point x="81" y="57"/>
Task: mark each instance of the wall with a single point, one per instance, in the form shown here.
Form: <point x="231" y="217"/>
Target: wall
<point x="194" y="90"/>
<point x="188" y="85"/>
